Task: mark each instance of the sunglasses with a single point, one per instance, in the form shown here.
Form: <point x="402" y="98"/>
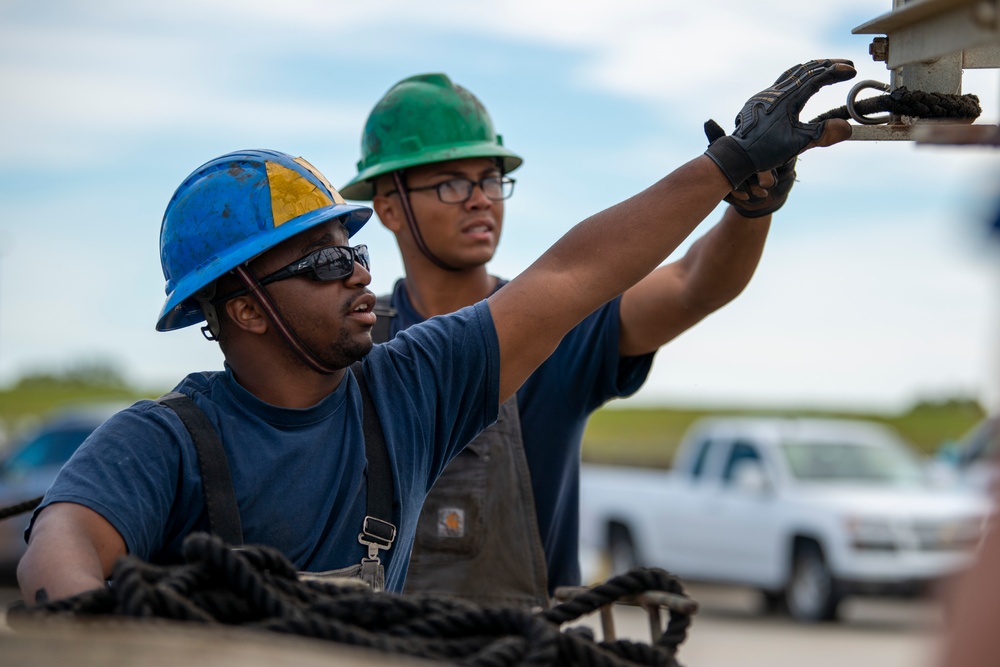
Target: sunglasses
<point x="334" y="262"/>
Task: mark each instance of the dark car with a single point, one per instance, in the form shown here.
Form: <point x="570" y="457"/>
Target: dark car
<point x="979" y="451"/>
<point x="31" y="464"/>
<point x="974" y="461"/>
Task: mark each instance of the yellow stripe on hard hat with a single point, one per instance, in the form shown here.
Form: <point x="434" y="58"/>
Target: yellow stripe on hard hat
<point x="322" y="179"/>
<point x="293" y="195"/>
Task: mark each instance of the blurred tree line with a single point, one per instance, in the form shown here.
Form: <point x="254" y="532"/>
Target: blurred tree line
<point x="617" y="433"/>
<point x="37" y="393"/>
<point x="98" y="375"/>
<point x="650" y="436"/>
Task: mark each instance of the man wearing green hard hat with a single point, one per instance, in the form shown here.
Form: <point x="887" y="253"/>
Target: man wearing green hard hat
<point x="501" y="525"/>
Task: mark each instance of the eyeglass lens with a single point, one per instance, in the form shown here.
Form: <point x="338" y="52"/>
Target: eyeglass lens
<point x="458" y="190"/>
<point x="335" y="262"/>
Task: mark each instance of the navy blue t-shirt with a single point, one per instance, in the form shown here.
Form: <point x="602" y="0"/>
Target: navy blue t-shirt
<point x="298" y="474"/>
<point x="583" y="373"/>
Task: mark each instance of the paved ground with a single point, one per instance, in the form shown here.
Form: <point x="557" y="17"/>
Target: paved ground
<point x="728" y="631"/>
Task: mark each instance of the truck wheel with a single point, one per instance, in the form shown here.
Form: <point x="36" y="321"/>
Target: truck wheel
<point x="812" y="594"/>
<point x="621" y="551"/>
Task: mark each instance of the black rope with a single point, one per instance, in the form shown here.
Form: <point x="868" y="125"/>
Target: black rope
<point x="20" y="508"/>
<point x="257" y="587"/>
<point x="914" y="103"/>
<point x="631" y="584"/>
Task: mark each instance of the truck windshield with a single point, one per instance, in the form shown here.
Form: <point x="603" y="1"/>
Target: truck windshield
<point x="853" y="462"/>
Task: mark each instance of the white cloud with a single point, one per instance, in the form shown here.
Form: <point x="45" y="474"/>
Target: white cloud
<point x="871" y="319"/>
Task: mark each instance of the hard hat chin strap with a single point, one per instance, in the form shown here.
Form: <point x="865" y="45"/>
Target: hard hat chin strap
<point x="404" y="196"/>
<point x="305" y="354"/>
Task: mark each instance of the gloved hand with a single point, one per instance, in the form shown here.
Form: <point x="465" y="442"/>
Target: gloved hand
<point x="746" y="198"/>
<point x="768" y="132"/>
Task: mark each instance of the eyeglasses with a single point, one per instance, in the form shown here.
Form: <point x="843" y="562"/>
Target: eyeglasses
<point x="334" y="262"/>
<point x="459" y="190"/>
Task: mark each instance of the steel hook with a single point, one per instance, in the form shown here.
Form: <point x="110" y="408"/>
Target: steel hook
<point x="852" y="96"/>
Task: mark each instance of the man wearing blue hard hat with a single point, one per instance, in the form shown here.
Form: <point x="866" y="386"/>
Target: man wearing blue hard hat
<point x="279" y="447"/>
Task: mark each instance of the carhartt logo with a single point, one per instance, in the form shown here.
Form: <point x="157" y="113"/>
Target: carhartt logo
<point x="451" y="522"/>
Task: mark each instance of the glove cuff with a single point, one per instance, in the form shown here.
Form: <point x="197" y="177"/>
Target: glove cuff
<point x="759" y="213"/>
<point x="731" y="159"/>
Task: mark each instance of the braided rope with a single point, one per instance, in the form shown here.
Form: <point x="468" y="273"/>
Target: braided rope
<point x="20" y="508"/>
<point x="914" y="103"/>
<point x="258" y="588"/>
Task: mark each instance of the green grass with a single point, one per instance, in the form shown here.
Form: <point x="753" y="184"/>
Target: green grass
<point x="650" y="436"/>
<point x="20" y="407"/>
<point x="637" y="436"/>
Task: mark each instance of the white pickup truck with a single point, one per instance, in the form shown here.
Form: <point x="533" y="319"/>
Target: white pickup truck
<point x="806" y="510"/>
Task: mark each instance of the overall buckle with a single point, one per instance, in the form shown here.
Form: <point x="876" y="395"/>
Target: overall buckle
<point x="376" y="534"/>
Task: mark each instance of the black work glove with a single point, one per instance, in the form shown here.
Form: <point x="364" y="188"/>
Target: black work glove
<point x="755" y="206"/>
<point x="768" y="132"/>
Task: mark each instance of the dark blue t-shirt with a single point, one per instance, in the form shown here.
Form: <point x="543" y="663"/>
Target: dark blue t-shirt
<point x="298" y="474"/>
<point x="583" y="373"/>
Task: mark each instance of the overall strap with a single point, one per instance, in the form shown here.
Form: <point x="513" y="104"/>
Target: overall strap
<point x="382" y="331"/>
<point x="378" y="531"/>
<point x="217" y="482"/>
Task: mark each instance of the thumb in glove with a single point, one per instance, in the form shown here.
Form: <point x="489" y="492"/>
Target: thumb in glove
<point x="768" y="131"/>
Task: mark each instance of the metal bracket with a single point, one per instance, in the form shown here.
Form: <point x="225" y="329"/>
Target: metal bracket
<point x="926" y="46"/>
<point x="650" y="601"/>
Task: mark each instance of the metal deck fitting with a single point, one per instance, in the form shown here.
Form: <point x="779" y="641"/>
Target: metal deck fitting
<point x="927" y="45"/>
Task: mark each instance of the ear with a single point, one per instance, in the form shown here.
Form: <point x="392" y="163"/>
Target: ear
<point x="389" y="212"/>
<point x="245" y="313"/>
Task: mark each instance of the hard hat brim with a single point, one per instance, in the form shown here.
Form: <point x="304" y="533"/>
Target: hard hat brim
<point x="181" y="310"/>
<point x="362" y="187"/>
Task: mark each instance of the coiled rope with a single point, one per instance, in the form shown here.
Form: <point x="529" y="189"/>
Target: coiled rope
<point x="914" y="103"/>
<point x="257" y="587"/>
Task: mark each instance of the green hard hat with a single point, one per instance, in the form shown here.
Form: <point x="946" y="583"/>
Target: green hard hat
<point x="423" y="119"/>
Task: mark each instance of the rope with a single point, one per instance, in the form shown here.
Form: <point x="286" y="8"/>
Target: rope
<point x="634" y="582"/>
<point x="257" y="587"/>
<point x="20" y="508"/>
<point x="914" y="103"/>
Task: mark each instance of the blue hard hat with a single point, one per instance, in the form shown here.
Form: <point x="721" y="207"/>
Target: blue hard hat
<point x="233" y="208"/>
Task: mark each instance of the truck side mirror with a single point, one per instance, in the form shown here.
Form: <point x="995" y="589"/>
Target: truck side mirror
<point x="749" y="476"/>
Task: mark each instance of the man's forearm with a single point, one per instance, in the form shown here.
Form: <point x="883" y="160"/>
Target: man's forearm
<point x="52" y="575"/>
<point x="722" y="262"/>
<point x="632" y="238"/>
<point x="72" y="550"/>
<point x="677" y="296"/>
<point x="597" y="260"/>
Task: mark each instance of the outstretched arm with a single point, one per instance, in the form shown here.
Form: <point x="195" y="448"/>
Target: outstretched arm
<point x="72" y="549"/>
<point x="613" y="250"/>
<point x="715" y="269"/>
<point x="594" y="262"/>
<point x="675" y="297"/>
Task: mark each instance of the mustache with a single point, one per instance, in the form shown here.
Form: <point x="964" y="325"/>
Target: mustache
<point x="350" y="302"/>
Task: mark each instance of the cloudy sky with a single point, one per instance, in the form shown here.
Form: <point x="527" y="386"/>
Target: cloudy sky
<point x="877" y="287"/>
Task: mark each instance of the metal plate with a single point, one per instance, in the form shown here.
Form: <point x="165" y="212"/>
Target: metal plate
<point x="923" y="30"/>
